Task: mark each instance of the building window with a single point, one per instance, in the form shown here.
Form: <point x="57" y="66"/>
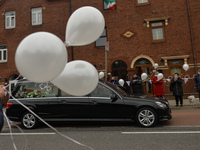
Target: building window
<point x="10" y="19"/>
<point x="102" y="40"/>
<point x="157" y="30"/>
<point x="109" y="4"/>
<point x="36" y="16"/>
<point x="175" y="66"/>
<point x="142" y="2"/>
<point x="3" y="53"/>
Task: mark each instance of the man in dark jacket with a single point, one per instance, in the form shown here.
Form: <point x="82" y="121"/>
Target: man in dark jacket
<point x="1" y="107"/>
<point x="136" y="84"/>
<point x="176" y="87"/>
<point x="114" y="81"/>
<point x="197" y="82"/>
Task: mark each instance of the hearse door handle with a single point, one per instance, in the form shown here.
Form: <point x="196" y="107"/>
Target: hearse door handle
<point x="64" y="101"/>
<point x="94" y="102"/>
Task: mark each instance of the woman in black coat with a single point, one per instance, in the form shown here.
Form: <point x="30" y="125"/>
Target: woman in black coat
<point x="136" y="84"/>
<point x="177" y="89"/>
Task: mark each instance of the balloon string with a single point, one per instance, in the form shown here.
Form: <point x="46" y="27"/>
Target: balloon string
<point x="44" y="121"/>
<point x="10" y="83"/>
<point x="25" y="137"/>
<point x="11" y="123"/>
<point x="10" y="131"/>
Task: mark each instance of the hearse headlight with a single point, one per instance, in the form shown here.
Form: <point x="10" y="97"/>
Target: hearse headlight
<point x="162" y="105"/>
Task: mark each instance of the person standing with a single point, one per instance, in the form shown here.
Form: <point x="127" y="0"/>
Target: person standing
<point x="136" y="84"/>
<point x="197" y="82"/>
<point x="177" y="89"/>
<point x="1" y="107"/>
<point x="114" y="81"/>
<point x="158" y="86"/>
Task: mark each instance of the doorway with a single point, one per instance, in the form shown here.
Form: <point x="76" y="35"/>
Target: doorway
<point x="119" y="70"/>
<point x="144" y="66"/>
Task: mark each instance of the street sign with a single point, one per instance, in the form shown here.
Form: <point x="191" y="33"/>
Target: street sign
<point x="107" y="46"/>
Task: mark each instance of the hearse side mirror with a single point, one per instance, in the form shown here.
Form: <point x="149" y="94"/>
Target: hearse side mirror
<point x="113" y="97"/>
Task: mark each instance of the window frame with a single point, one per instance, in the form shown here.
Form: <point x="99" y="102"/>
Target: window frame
<point x="104" y="94"/>
<point x="102" y="37"/>
<point x="10" y="20"/>
<point x="176" y="65"/>
<point x="140" y="4"/>
<point x="2" y="60"/>
<point x="157" y="27"/>
<point x="28" y="89"/>
<point x="36" y="13"/>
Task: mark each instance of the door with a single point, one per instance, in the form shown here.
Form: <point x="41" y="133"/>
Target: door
<point x="73" y="107"/>
<point x="144" y="66"/>
<point x="103" y="107"/>
<point x="119" y="70"/>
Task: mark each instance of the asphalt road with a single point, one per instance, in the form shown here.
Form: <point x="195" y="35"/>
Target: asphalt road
<point x="116" y="137"/>
<point x="180" y="133"/>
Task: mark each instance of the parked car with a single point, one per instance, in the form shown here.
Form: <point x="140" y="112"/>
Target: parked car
<point x="106" y="103"/>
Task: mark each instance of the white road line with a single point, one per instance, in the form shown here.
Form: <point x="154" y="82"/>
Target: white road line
<point x="27" y="134"/>
<point x="172" y="132"/>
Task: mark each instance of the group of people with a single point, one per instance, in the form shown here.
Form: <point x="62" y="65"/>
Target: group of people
<point x="158" y="90"/>
<point x="175" y="87"/>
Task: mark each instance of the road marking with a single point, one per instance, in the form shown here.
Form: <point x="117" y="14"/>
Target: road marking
<point x="172" y="132"/>
<point x="27" y="134"/>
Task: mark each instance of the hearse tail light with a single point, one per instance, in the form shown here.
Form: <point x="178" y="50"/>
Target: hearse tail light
<point x="9" y="105"/>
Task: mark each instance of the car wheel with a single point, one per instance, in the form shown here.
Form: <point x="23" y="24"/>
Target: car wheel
<point x="29" y="121"/>
<point x="146" y="117"/>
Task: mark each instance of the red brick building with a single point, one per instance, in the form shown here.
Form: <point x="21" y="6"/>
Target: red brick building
<point x="140" y="33"/>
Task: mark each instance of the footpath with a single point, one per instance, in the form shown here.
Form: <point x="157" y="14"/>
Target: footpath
<point x="186" y="105"/>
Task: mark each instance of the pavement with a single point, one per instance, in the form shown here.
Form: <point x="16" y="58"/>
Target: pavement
<point x="186" y="105"/>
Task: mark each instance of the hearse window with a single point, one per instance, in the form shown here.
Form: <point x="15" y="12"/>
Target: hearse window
<point x="63" y="94"/>
<point x="101" y="91"/>
<point x="33" y="90"/>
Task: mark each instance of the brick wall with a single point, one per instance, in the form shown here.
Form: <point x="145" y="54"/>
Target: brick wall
<point x="127" y="16"/>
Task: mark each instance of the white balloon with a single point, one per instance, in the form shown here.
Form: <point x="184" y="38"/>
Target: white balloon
<point x="101" y="75"/>
<point x="41" y="57"/>
<point x="121" y="82"/>
<point x="160" y="76"/>
<point x="186" y="67"/>
<point x="78" y="78"/>
<point x="143" y="76"/>
<point x="85" y="26"/>
<point x="155" y="65"/>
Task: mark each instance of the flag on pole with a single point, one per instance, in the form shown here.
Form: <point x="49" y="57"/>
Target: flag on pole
<point x="109" y="4"/>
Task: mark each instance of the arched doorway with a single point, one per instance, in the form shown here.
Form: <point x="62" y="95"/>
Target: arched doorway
<point x="119" y="70"/>
<point x="144" y="66"/>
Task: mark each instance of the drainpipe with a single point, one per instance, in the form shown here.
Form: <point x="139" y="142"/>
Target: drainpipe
<point x="70" y="12"/>
<point x="191" y="34"/>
